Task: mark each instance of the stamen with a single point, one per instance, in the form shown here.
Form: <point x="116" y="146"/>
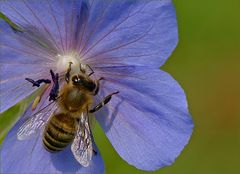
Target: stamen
<point x="63" y="62"/>
<point x="35" y="102"/>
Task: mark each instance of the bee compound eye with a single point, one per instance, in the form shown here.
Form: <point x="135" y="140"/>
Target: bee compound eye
<point x="75" y="79"/>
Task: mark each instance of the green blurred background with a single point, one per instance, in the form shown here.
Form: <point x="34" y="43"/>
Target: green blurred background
<point x="207" y="65"/>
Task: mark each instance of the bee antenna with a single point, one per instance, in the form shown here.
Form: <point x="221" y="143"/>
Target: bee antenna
<point x="82" y="69"/>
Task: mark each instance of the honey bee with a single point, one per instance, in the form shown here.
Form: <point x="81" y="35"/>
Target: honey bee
<point x="67" y="120"/>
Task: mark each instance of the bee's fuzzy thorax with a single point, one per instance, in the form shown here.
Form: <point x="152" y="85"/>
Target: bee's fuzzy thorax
<point x="74" y="100"/>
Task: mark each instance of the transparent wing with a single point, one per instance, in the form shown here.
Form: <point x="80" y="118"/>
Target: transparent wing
<point x="35" y="123"/>
<point x="82" y="144"/>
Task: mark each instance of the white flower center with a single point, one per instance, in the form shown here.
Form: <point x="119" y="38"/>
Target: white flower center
<point x="64" y="60"/>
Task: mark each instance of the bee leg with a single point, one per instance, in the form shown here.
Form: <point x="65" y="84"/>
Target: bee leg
<point x="67" y="75"/>
<point x="104" y="101"/>
<point x="38" y="82"/>
<point x="83" y="70"/>
<point x="97" y="86"/>
<point x="92" y="72"/>
<point x="94" y="152"/>
<point x="55" y="87"/>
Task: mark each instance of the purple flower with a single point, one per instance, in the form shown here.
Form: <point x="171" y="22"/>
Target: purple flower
<point x="124" y="41"/>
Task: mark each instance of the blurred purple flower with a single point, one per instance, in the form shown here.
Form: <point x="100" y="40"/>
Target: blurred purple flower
<point x="124" y="41"/>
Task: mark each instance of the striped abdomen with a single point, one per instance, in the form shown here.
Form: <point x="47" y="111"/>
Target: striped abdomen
<point x="59" y="132"/>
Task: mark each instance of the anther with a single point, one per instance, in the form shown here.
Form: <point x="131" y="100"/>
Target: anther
<point x="38" y="98"/>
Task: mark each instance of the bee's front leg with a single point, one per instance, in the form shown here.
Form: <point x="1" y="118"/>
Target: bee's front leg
<point x="55" y="88"/>
<point x="104" y="102"/>
<point x="38" y="82"/>
<point x="83" y="69"/>
<point x="67" y="75"/>
<point x="92" y="72"/>
<point x="97" y="86"/>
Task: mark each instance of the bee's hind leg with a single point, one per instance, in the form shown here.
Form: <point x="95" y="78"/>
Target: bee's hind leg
<point x="94" y="152"/>
<point x="104" y="102"/>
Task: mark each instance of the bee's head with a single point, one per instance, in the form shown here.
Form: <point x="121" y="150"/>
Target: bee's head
<point x="82" y="81"/>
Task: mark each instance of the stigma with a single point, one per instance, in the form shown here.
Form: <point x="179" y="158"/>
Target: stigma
<point x="64" y="60"/>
